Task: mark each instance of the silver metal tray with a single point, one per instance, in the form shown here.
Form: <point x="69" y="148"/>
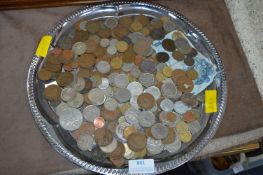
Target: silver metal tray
<point x="61" y="141"/>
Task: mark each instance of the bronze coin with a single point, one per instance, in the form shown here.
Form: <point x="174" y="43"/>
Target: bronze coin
<point x="148" y="132"/>
<point x="146" y="101"/>
<point x="99" y="51"/>
<point x="189" y="99"/>
<point x="118" y="152"/>
<point x="162" y="57"/>
<point x="86" y="60"/>
<point x="112" y="126"/>
<point x="171" y="117"/>
<point x="85" y="128"/>
<point x="178" y="56"/>
<point x="189" y="61"/>
<point x="80" y="36"/>
<point x="157" y="34"/>
<point x="118" y="162"/>
<point x="91" y="45"/>
<point x="178" y="73"/>
<point x="192" y="74"/>
<point x="85" y="73"/>
<point x="136" y="141"/>
<point x="144" y="20"/>
<point x="104" y="33"/>
<point x="128" y="56"/>
<point x="192" y="53"/>
<point x="44" y="74"/>
<point x="185" y="84"/>
<point x="189" y="117"/>
<point x="126" y="21"/>
<point x="67" y="56"/>
<point x="64" y="78"/>
<point x="120" y="31"/>
<point x="170" y="137"/>
<point x="103" y="136"/>
<point x="52" y="92"/>
<point x="168" y="45"/>
<point x="110" y="115"/>
<point x="53" y="67"/>
<point x="52" y="59"/>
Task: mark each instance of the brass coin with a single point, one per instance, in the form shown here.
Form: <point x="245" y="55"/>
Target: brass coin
<point x="181" y="127"/>
<point x="146" y="101"/>
<point x="44" y="74"/>
<point x="192" y="74"/>
<point x="185" y="84"/>
<point x="160" y="77"/>
<point x="141" y="154"/>
<point x="136" y="141"/>
<point x="118" y="152"/>
<point x="93" y="26"/>
<point x="189" y="61"/>
<point x="103" y="136"/>
<point x="168" y="45"/>
<point x="52" y="92"/>
<point x="116" y="62"/>
<point x="178" y="56"/>
<point x="178" y="73"/>
<point x="162" y="57"/>
<point x="136" y="26"/>
<point x="177" y="35"/>
<point x="64" y="79"/>
<point x="167" y="71"/>
<point x="185" y="137"/>
<point x="118" y="162"/>
<point x="86" y="60"/>
<point x="170" y="137"/>
<point x="121" y="46"/>
<point x="85" y="128"/>
<point x="128" y="131"/>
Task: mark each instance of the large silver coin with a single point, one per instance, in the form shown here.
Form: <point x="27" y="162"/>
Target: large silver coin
<point x="121" y="80"/>
<point x="70" y="119"/>
<point x="122" y="95"/>
<point x="159" y="131"/>
<point x="90" y="112"/>
<point x="96" y="96"/>
<point x="85" y="142"/>
<point x="146" y="118"/>
<point x="135" y="88"/>
<point x="180" y="107"/>
<point x="79" y="48"/>
<point x="77" y="101"/>
<point x="68" y="94"/>
<point x="127" y="67"/>
<point x="61" y="107"/>
<point x="104" y="83"/>
<point x="169" y="90"/>
<point x="79" y="85"/>
<point x="103" y="67"/>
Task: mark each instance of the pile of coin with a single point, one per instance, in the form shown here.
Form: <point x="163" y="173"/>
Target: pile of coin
<point x="118" y="97"/>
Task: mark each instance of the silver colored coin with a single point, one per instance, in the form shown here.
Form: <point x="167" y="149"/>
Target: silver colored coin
<point x="108" y="92"/>
<point x="103" y="67"/>
<point x="79" y="48"/>
<point x="135" y="72"/>
<point x="180" y="107"/>
<point x="178" y="95"/>
<point x="121" y="119"/>
<point x="131" y="115"/>
<point x="147" y="79"/>
<point x="70" y="119"/>
<point x="159" y="131"/>
<point x="167" y="105"/>
<point x="175" y="146"/>
<point x="61" y="107"/>
<point x="128" y="154"/>
<point x="111" y="147"/>
<point x="119" y="130"/>
<point x="146" y="118"/>
<point x="154" y="108"/>
<point x="90" y="112"/>
<point x="127" y="67"/>
<point x="113" y="42"/>
<point x="110" y="104"/>
<point x="122" y="95"/>
<point x="148" y="66"/>
<point x="96" y="96"/>
<point x="169" y="26"/>
<point x="136" y="36"/>
<point x="111" y="22"/>
<point x="194" y="127"/>
<point x="68" y="94"/>
<point x="85" y="142"/>
<point x="160" y="66"/>
<point x="79" y="85"/>
<point x="121" y="80"/>
<point x="104" y="83"/>
<point x="111" y="50"/>
<point x="154" y="91"/>
<point x="77" y="101"/>
<point x="111" y="78"/>
<point x="133" y="101"/>
<point x="96" y="38"/>
<point x="104" y="42"/>
<point x="135" y="88"/>
<point x="169" y="90"/>
<point x="154" y="146"/>
<point x="83" y="25"/>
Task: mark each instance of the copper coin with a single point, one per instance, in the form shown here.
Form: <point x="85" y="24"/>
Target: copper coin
<point x="53" y="67"/>
<point x="128" y="56"/>
<point x="178" y="73"/>
<point x="192" y="74"/>
<point x="118" y="152"/>
<point x="185" y="84"/>
<point x="85" y="128"/>
<point x="57" y="51"/>
<point x="178" y="56"/>
<point x="148" y="132"/>
<point x="146" y="101"/>
<point x="112" y="126"/>
<point x="171" y="116"/>
<point x="91" y="45"/>
<point x="80" y="36"/>
<point x="136" y="141"/>
<point x="157" y="34"/>
<point x="85" y="73"/>
<point x="52" y="59"/>
<point x="189" y="99"/>
<point x="104" y="33"/>
<point x="103" y="136"/>
<point x="168" y="45"/>
<point x="120" y="31"/>
<point x="86" y="60"/>
<point x="118" y="162"/>
<point x="162" y="57"/>
<point x="99" y="122"/>
<point x="99" y="51"/>
<point x="52" y="92"/>
<point x="189" y="61"/>
<point x="189" y="117"/>
<point x="44" y="74"/>
<point x="125" y="21"/>
<point x="64" y="78"/>
<point x="192" y="53"/>
<point x="170" y="137"/>
<point x="144" y="20"/>
<point x="110" y="115"/>
<point x="67" y="56"/>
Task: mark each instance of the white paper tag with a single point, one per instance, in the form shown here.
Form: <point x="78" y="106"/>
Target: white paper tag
<point x="141" y="166"/>
<point x="238" y="168"/>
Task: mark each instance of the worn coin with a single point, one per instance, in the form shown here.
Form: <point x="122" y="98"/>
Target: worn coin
<point x="86" y="60"/>
<point x="182" y="45"/>
<point x="162" y="57"/>
<point x="181" y="126"/>
<point x="111" y="22"/>
<point x="118" y="152"/>
<point x="159" y="131"/>
<point x="128" y="131"/>
<point x="96" y="96"/>
<point x="170" y="137"/>
<point x="77" y="101"/>
<point x="110" y="104"/>
<point x="189" y="61"/>
<point x="64" y="78"/>
<point x="192" y="74"/>
<point x="185" y="84"/>
<point x="146" y="118"/>
<point x="148" y="66"/>
<point x="110" y="147"/>
<point x="110" y="115"/>
<point x="90" y="112"/>
<point x="154" y="146"/>
<point x="167" y="105"/>
<point x="136" y="141"/>
<point x="169" y="90"/>
<point x="146" y="101"/>
<point x="122" y="95"/>
<point x="44" y="74"/>
<point x="154" y="91"/>
<point x="168" y="45"/>
<point x="85" y="142"/>
<point x="169" y="26"/>
<point x="70" y="119"/>
<point x="103" y="136"/>
<point x="52" y="92"/>
<point x="121" y="80"/>
<point x="147" y="79"/>
<point x="120" y="129"/>
<point x="135" y="88"/>
<point x="175" y="146"/>
<point x="79" y="48"/>
<point x="194" y="127"/>
<point x="79" y="85"/>
<point x="186" y="136"/>
<point x="85" y="128"/>
<point x="103" y="67"/>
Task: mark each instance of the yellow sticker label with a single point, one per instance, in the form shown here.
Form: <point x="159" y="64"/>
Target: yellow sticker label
<point x="43" y="46"/>
<point x="210" y="101"/>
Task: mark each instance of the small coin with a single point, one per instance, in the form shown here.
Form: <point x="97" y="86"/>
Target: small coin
<point x="77" y="101"/>
<point x="116" y="62"/>
<point x="147" y="79"/>
<point x="85" y="142"/>
<point x="146" y="101"/>
<point x="192" y="74"/>
<point x="181" y="127"/>
<point x="64" y="79"/>
<point x="121" y="46"/>
<point x="175" y="146"/>
<point x="135" y="88"/>
<point x="52" y="92"/>
<point x="169" y="90"/>
<point x="162" y="57"/>
<point x="168" y="45"/>
<point x="44" y="74"/>
<point x="118" y="152"/>
<point x="136" y="26"/>
<point x="167" y="105"/>
<point x="70" y="119"/>
<point x="103" y="67"/>
<point x="104" y="42"/>
<point x="148" y="66"/>
<point x="128" y="131"/>
<point x="111" y="50"/>
<point x="135" y="72"/>
<point x="103" y="136"/>
<point x="121" y="80"/>
<point x="167" y="71"/>
<point x="169" y="26"/>
<point x="122" y="95"/>
<point x="110" y="104"/>
<point x="90" y="112"/>
<point x="186" y="136"/>
<point x="146" y="118"/>
<point x="194" y="127"/>
<point x="96" y="96"/>
<point x="79" y="85"/>
<point x="159" y="131"/>
<point x="177" y="74"/>
<point x="154" y="146"/>
<point x="189" y="61"/>
<point x="111" y="147"/>
<point x="154" y="91"/>
<point x="79" y="48"/>
<point x="178" y="55"/>
<point x="136" y="141"/>
<point x="111" y="22"/>
<point x="160" y="77"/>
<point x="170" y="137"/>
<point x="85" y="128"/>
